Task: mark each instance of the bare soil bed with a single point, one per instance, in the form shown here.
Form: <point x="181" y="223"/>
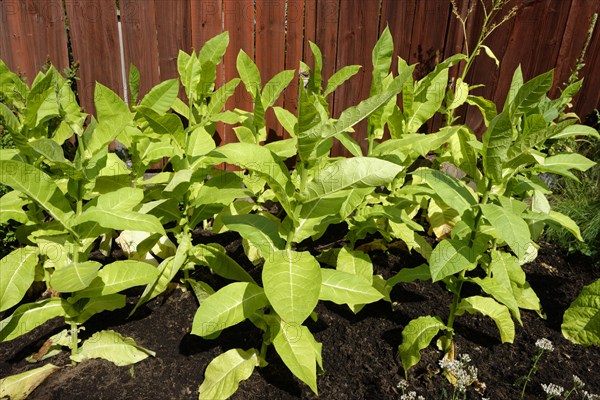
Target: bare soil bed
<point x="359" y="351"/>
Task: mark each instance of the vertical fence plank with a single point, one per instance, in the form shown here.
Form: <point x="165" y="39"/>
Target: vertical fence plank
<point x="572" y="44"/>
<point x="270" y="51"/>
<point x="293" y="51"/>
<point x="206" y="23"/>
<point x="327" y="35"/>
<point x="95" y="41"/>
<point x="310" y="28"/>
<point x="484" y="70"/>
<point x="239" y="21"/>
<point x="534" y="42"/>
<point x="399" y="15"/>
<point x="32" y="32"/>
<point x="140" y="41"/>
<point x="358" y="33"/>
<point x="173" y="34"/>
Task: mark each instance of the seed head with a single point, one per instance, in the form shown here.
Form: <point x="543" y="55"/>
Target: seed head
<point x="544" y="344"/>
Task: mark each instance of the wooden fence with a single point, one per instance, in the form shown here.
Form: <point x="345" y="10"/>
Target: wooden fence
<point x="545" y="34"/>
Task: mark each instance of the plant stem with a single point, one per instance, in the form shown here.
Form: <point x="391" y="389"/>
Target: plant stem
<point x="74" y="340"/>
<point x="531" y="371"/>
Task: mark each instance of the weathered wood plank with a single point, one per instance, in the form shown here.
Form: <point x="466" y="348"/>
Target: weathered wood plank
<point x="399" y="15"/>
<point x="140" y="41"/>
<point x="239" y="21"/>
<point x="32" y="33"/>
<point x="294" y="46"/>
<point x="358" y="33"/>
<point x="95" y="41"/>
<point x="173" y="34"/>
<point x="270" y="51"/>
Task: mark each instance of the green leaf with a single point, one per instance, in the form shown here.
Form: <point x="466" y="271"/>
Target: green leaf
<point x="577" y="130"/>
<point x="227" y="307"/>
<point x="118" y="276"/>
<point x="134" y="84"/>
<point x="562" y="163"/>
<point x="214" y="49"/>
<point x="287" y="120"/>
<point x="501" y="292"/>
<point x="20" y="386"/>
<point x="248" y="72"/>
<point x="415" y="337"/>
<point x="487" y="107"/>
<point x="9" y="120"/>
<point x="42" y="104"/>
<point x="346" y="288"/>
<point x="31" y="315"/>
<point x="406" y="275"/>
<point x="356" y="172"/>
<point x="299" y="351"/>
<point x="448" y="189"/>
<point x="49" y="149"/>
<point x="496" y="142"/>
<point x="214" y="256"/>
<point x="220" y="97"/>
<point x="491" y="55"/>
<point x="355" y="262"/>
<point x="509" y="227"/>
<point x="74" y="277"/>
<point x="96" y="305"/>
<point x="451" y="256"/>
<point x="350" y="144"/>
<point x="113" y="116"/>
<point x="581" y="322"/>
<point x="275" y="87"/>
<point x="226" y="371"/>
<point x="491" y="308"/>
<point x="123" y="199"/>
<point x="39" y="187"/>
<point x="264" y="163"/>
<point x="258" y="230"/>
<point x="341" y="76"/>
<point x="162" y="96"/>
<point x="316" y="79"/>
<point x="111" y="346"/>
<point x="292" y="281"/>
<point x="381" y="57"/>
<point x="121" y="220"/>
<point x="461" y="93"/>
<point x="531" y="94"/>
<point x="557" y="219"/>
<point x="17" y="271"/>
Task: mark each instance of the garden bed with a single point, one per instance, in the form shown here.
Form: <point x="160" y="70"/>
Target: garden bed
<point x="359" y="351"/>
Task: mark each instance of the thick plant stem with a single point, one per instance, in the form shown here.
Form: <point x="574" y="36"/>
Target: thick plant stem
<point x="74" y="340"/>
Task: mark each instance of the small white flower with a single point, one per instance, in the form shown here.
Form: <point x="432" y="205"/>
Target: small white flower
<point x="403" y="384"/>
<point x="577" y="382"/>
<point x="544" y="344"/>
<point x="409" y="396"/>
<point x="553" y="389"/>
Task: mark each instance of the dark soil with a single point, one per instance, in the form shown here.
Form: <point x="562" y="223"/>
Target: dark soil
<point x="359" y="351"/>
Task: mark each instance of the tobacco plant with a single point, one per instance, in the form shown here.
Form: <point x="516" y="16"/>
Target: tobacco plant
<point x="490" y="215"/>
<point x="64" y="197"/>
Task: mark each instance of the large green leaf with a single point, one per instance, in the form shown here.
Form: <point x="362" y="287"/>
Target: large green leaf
<point x="261" y="161"/>
<point x="299" y="351"/>
<point x="340" y="77"/>
<point x="381" y="56"/>
<point x="118" y="276"/>
<point x="74" y="277"/>
<point x="227" y="307"/>
<point x="42" y="104"/>
<point x="162" y="96"/>
<point x="113" y="116"/>
<point x="509" y="227"/>
<point x="248" y="72"/>
<point x="258" y="230"/>
<point x="501" y="292"/>
<point x="31" y="315"/>
<point x="451" y="256"/>
<point x="219" y="98"/>
<point x="38" y="186"/>
<point x="491" y="308"/>
<point x="557" y="219"/>
<point x="346" y="288"/>
<point x="531" y="93"/>
<point x="292" y="282"/>
<point x="226" y="371"/>
<point x="356" y="172"/>
<point x="121" y="220"/>
<point x="355" y="262"/>
<point x="17" y="271"/>
<point x="448" y="189"/>
<point x="214" y="256"/>
<point x="111" y="346"/>
<point x="581" y="322"/>
<point x="214" y="49"/>
<point x="496" y="142"/>
<point x="275" y="87"/>
<point x="96" y="305"/>
<point x="20" y="386"/>
<point x="415" y="337"/>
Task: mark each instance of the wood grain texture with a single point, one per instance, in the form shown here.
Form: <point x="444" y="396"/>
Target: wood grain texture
<point x="294" y="51"/>
<point x="358" y="33"/>
<point x="32" y="32"/>
<point x="140" y="41"/>
<point x="96" y="45"/>
<point x="270" y="51"/>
